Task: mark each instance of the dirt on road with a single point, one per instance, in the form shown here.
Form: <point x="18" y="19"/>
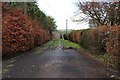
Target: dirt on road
<point x="55" y="63"/>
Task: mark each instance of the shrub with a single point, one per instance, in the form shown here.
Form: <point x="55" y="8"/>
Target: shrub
<point x="83" y="38"/>
<point x="72" y="36"/>
<point x="105" y="39"/>
<point x="18" y="34"/>
<point x="66" y="36"/>
<point x="113" y="42"/>
<point x="77" y="36"/>
<point x="98" y="39"/>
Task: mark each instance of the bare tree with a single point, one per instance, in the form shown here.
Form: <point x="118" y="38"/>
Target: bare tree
<point x="101" y="13"/>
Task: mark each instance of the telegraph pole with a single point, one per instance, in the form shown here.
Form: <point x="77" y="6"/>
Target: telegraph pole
<point x="66" y="25"/>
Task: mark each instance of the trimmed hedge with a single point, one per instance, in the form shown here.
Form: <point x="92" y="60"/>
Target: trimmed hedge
<point x="20" y="32"/>
<point x="105" y="39"/>
<point x="66" y="36"/>
<point x="77" y="36"/>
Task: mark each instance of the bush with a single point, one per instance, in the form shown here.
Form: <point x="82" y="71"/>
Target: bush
<point x="113" y="42"/>
<point x="105" y="39"/>
<point x="83" y="38"/>
<point x="20" y="32"/>
<point x="77" y="36"/>
<point x="72" y="36"/>
<point x="98" y="40"/>
<point x="66" y="36"/>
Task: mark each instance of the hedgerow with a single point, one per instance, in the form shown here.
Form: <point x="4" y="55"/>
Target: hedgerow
<point x="20" y="32"/>
<point x="105" y="39"/>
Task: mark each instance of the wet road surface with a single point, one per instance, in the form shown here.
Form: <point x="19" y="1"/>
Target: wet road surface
<point x="54" y="63"/>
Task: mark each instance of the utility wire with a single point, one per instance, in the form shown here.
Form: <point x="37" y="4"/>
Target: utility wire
<point x="52" y="9"/>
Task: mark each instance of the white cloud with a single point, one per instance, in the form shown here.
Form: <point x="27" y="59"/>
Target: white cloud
<point x="61" y="10"/>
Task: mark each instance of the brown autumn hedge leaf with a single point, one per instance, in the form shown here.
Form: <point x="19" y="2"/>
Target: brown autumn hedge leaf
<point x="20" y="32"/>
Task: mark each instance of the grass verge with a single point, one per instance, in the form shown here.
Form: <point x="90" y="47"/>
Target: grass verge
<point x="101" y="57"/>
<point x="68" y="44"/>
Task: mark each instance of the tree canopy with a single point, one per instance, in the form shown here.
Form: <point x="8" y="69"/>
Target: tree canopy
<point x="47" y="22"/>
<point x="101" y="13"/>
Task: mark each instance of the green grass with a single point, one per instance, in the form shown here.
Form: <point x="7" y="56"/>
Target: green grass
<point x="55" y="45"/>
<point x="40" y="49"/>
<point x="47" y="43"/>
<point x="11" y="65"/>
<point x="102" y="57"/>
<point x="5" y="70"/>
<point x="107" y="60"/>
<point x="68" y="44"/>
<point x="50" y="42"/>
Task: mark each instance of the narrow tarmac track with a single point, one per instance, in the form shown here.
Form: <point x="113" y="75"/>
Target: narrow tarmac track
<point x="54" y="63"/>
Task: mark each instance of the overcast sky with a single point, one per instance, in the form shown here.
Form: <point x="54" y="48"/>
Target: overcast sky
<point x="61" y="10"/>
